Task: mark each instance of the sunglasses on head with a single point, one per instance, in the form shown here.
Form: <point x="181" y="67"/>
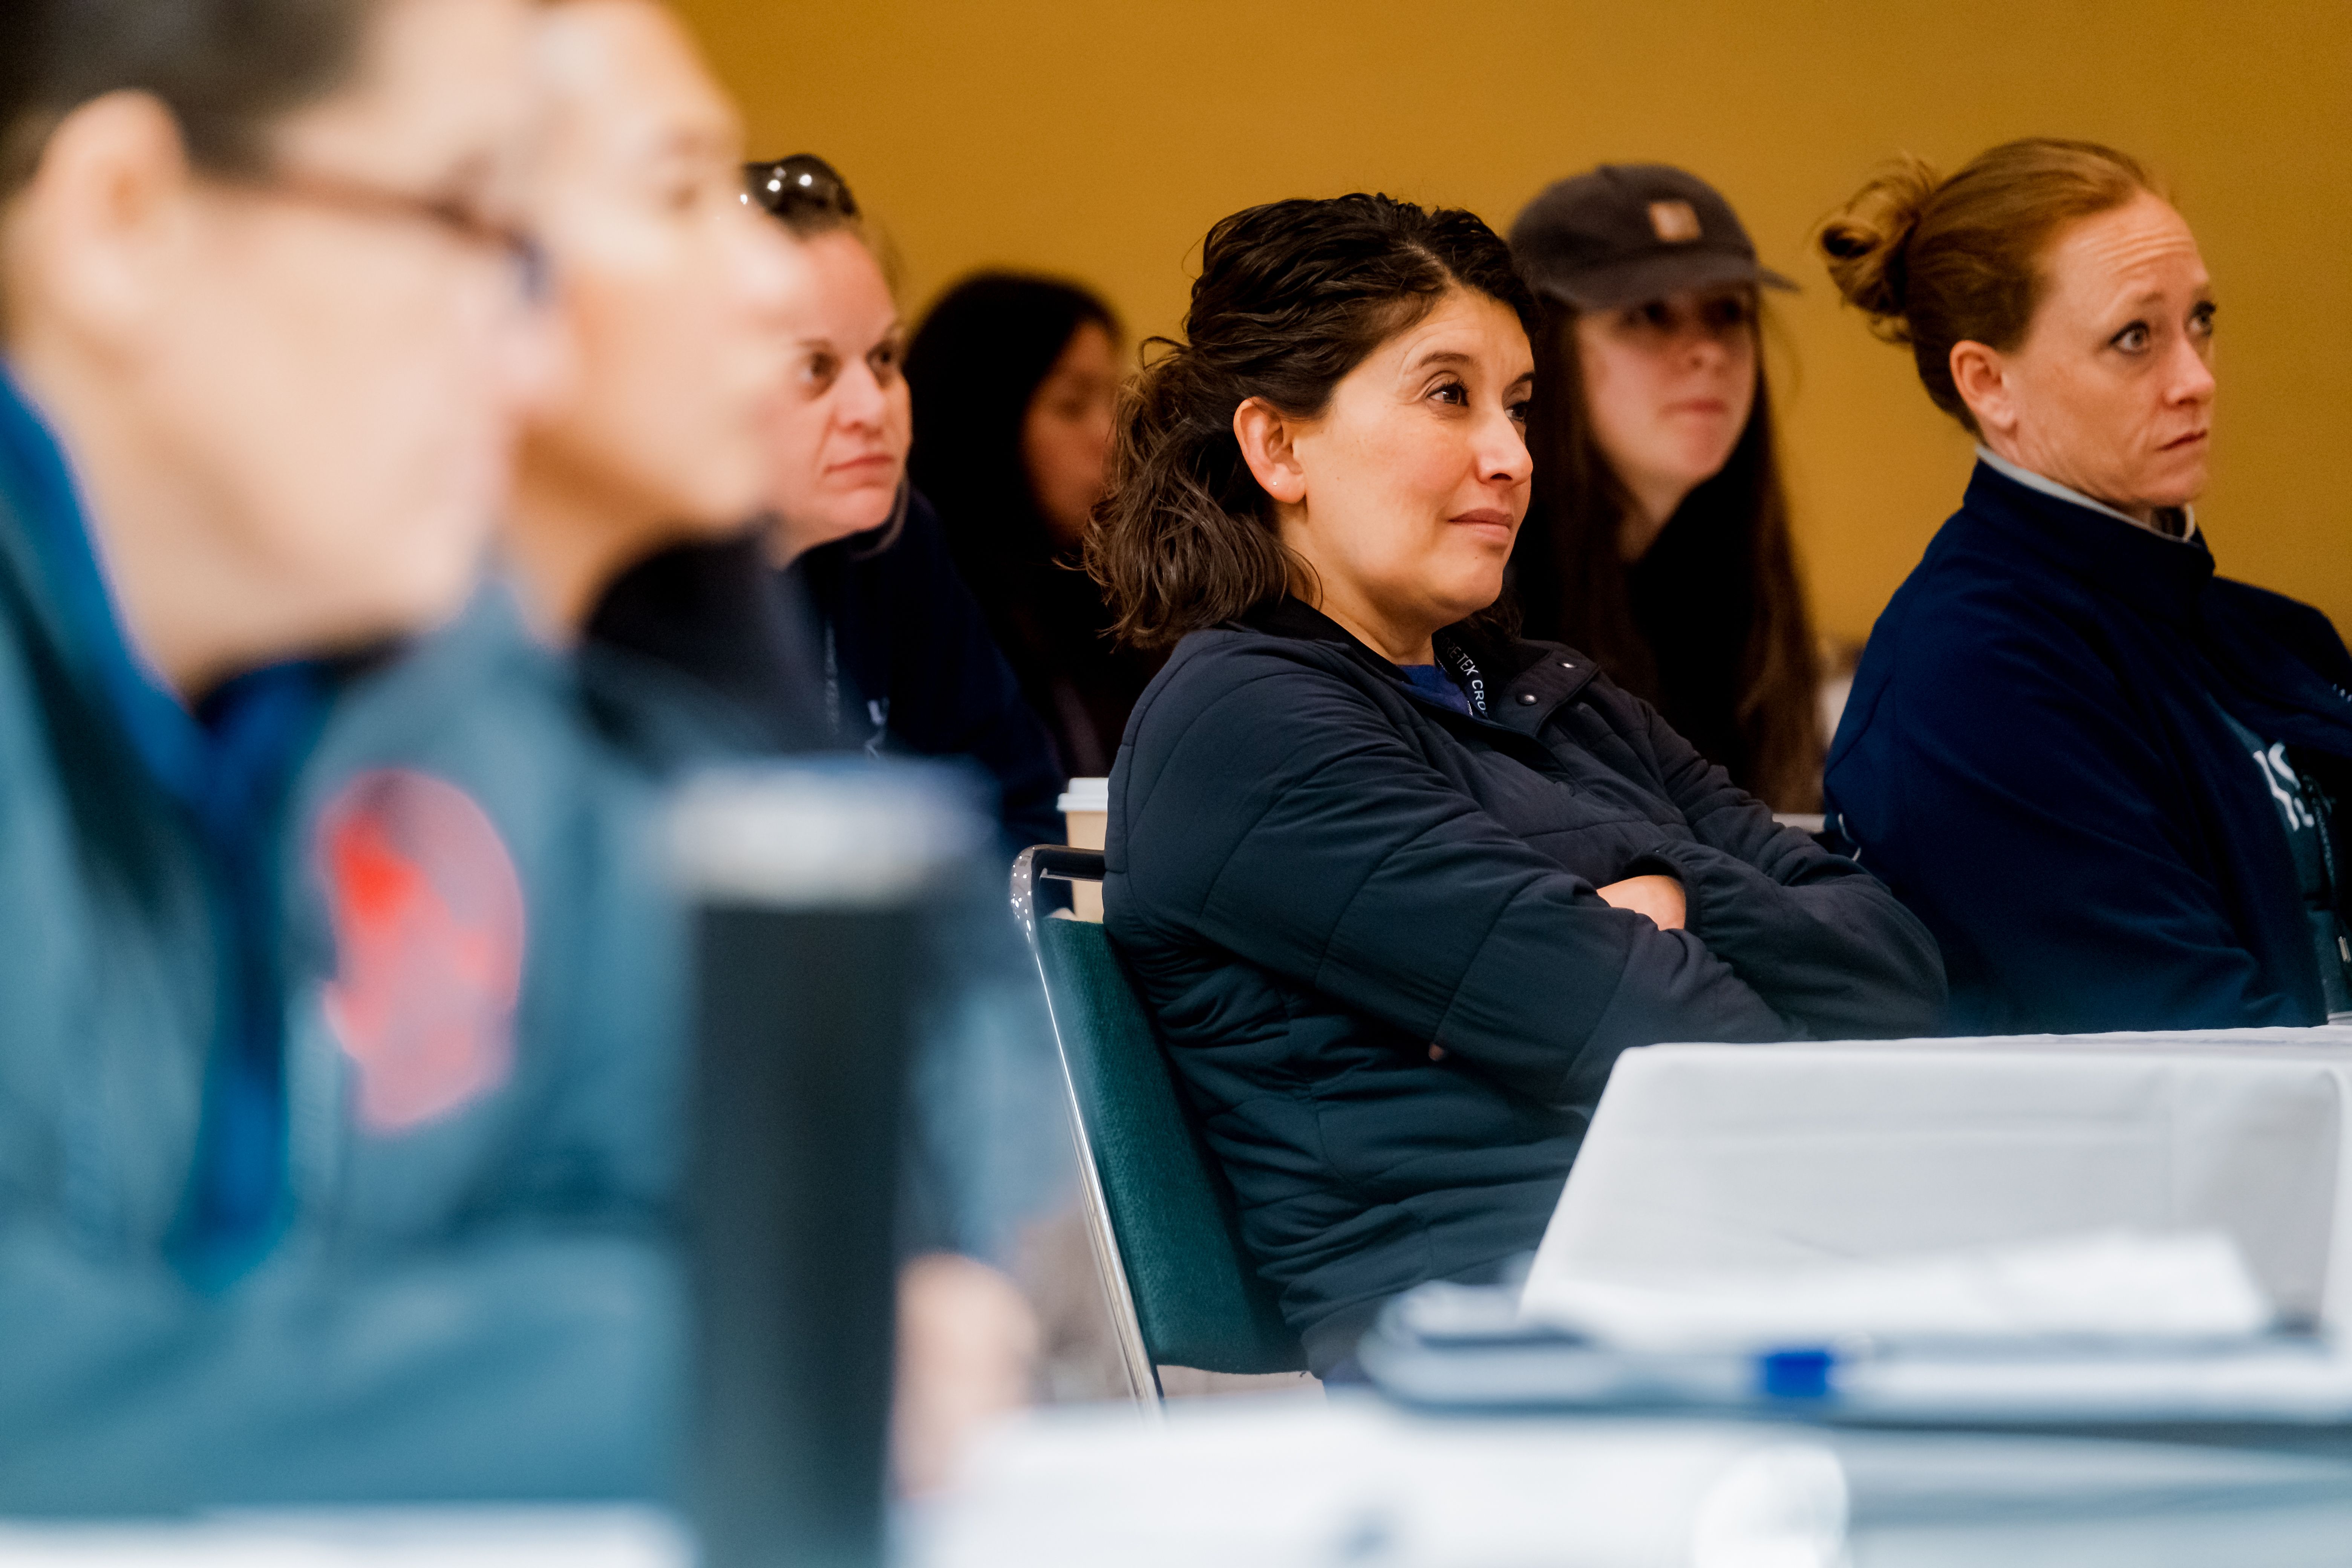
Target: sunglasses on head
<point x="803" y="182"/>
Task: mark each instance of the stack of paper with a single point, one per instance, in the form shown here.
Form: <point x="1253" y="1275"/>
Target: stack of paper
<point x="2116" y="1285"/>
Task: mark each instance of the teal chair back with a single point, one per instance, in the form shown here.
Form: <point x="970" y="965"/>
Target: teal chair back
<point x="1166" y="1232"/>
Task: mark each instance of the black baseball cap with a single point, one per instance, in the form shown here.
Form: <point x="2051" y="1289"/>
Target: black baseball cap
<point x="1630" y="232"/>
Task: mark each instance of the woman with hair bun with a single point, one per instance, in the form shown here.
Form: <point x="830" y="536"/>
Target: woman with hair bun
<point x="2104" y="776"/>
<point x="1396" y="886"/>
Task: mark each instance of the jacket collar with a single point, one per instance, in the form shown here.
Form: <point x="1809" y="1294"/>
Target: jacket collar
<point x="1526" y="682"/>
<point x="2184" y="517"/>
<point x="2161" y="576"/>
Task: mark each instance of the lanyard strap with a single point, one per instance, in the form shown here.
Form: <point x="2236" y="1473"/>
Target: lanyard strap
<point x="1466" y="672"/>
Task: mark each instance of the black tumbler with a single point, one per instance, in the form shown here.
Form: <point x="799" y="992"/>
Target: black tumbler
<point x="812" y="888"/>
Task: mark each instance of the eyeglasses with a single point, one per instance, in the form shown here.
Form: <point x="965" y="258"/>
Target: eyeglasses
<point x="451" y="215"/>
<point x="799" y="186"/>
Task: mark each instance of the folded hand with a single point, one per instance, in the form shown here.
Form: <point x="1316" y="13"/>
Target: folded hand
<point x="1659" y="898"/>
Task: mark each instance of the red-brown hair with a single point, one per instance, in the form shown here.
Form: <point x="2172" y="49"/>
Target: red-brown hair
<point x="1937" y="261"/>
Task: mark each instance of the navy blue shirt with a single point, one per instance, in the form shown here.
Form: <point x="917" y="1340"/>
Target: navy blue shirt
<point x="872" y="643"/>
<point x="1432" y="681"/>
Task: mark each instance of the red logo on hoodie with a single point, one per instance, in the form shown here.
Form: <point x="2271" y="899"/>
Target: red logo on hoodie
<point x="428" y="919"/>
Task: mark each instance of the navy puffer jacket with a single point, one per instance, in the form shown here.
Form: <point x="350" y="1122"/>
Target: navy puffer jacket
<point x="1317" y="875"/>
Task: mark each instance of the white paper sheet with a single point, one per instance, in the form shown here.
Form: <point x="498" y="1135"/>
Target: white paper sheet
<point x="2111" y="1284"/>
<point x="1727" y="1158"/>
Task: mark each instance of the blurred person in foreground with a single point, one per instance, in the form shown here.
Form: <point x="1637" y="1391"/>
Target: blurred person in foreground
<point x="901" y="660"/>
<point x="2106" y="778"/>
<point x="266" y="337"/>
<point x="1015" y="378"/>
<point x="1657" y="540"/>
<point x="1397" y="886"/>
<point x="510" y="975"/>
<point x="686" y="310"/>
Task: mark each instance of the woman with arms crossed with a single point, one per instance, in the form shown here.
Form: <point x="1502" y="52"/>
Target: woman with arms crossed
<point x="1396" y="886"/>
<point x="2102" y="775"/>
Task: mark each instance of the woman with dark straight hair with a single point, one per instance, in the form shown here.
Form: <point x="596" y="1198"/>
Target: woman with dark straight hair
<point x="1396" y="886"/>
<point x="1658" y="537"/>
<point x="1014" y="379"/>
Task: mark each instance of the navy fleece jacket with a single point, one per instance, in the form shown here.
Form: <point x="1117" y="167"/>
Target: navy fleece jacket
<point x="2036" y="758"/>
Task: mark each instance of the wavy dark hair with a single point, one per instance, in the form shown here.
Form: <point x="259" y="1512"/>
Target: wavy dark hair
<point x="1292" y="296"/>
<point x="1570" y="581"/>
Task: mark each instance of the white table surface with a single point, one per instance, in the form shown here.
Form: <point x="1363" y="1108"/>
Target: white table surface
<point x="485" y="1537"/>
<point x="1742" y="1157"/>
<point x="1294" y="1482"/>
<point x="1265" y="1483"/>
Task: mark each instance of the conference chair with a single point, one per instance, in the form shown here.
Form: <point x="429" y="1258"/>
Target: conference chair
<point x="1166" y="1234"/>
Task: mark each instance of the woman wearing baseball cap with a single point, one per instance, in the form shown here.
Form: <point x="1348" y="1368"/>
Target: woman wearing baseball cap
<point x="1657" y="540"/>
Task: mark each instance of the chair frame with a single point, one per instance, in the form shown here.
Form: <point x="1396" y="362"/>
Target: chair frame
<point x="1060" y="863"/>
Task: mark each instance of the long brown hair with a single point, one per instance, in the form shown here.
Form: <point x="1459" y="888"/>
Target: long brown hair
<point x="1573" y="570"/>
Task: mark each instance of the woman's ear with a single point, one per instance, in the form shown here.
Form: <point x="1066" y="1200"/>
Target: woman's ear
<point x="97" y="225"/>
<point x="1266" y="437"/>
<point x="1980" y="374"/>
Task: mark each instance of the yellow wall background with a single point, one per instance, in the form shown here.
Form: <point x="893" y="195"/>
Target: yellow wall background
<point x="1100" y="141"/>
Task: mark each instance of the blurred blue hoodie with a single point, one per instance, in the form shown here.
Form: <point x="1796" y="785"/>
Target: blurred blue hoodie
<point x="331" y="1166"/>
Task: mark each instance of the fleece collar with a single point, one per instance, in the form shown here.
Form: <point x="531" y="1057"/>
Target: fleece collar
<point x="2161" y="576"/>
<point x="2185" y="516"/>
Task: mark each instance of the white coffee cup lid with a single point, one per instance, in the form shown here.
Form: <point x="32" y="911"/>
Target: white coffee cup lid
<point x="819" y="835"/>
<point x="1085" y="794"/>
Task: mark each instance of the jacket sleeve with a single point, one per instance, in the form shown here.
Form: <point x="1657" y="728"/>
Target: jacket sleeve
<point x="1283" y="819"/>
<point x="2022" y="811"/>
<point x="1819" y="938"/>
